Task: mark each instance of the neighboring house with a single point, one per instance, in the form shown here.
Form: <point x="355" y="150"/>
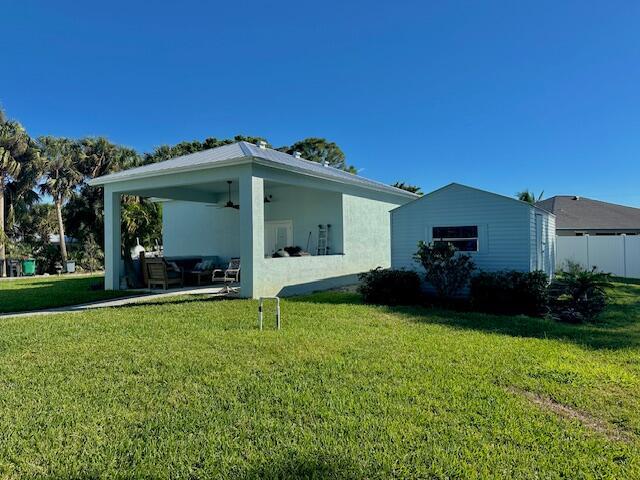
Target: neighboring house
<point x="273" y="200"/>
<point x="54" y="239"/>
<point x="577" y="216"/>
<point x="498" y="232"/>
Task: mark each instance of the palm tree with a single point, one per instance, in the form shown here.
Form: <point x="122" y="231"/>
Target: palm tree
<point x="61" y="176"/>
<point x="529" y="197"/>
<point x="18" y="154"/>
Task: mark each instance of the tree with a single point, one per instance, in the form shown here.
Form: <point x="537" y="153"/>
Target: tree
<point x="18" y="156"/>
<point x="321" y="151"/>
<point x="529" y="197"/>
<point x="83" y="211"/>
<point x="61" y="176"/>
<point x="101" y="157"/>
<point x="409" y="188"/>
<point x="91" y="257"/>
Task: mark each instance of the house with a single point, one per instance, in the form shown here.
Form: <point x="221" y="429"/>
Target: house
<point x="577" y="216"/>
<point x="244" y="200"/>
<point x="596" y="234"/>
<point x="498" y="232"/>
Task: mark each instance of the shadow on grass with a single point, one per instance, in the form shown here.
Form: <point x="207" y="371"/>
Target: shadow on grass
<point x="618" y="327"/>
<point x="303" y="466"/>
<point x="176" y="300"/>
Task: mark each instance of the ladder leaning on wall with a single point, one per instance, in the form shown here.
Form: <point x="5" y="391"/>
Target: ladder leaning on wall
<point x="323" y="239"/>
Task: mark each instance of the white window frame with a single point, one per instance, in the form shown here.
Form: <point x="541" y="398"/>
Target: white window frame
<point x="453" y="239"/>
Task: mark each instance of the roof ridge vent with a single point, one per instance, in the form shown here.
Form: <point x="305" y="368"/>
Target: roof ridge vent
<point x="297" y="154"/>
<point x="262" y="144"/>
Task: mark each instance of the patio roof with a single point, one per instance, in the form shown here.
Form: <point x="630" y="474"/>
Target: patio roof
<point x="245" y="152"/>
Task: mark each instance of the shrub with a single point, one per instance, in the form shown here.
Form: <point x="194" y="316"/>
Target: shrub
<point x="445" y="269"/>
<point x="510" y="293"/>
<point x="579" y="295"/>
<point x="390" y="287"/>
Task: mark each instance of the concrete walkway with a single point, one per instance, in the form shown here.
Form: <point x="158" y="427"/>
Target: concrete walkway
<point x="118" y="302"/>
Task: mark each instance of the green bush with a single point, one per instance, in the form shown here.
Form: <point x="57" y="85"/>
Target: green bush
<point x="510" y="292"/>
<point x="390" y="287"/>
<point x="579" y="295"/>
<point x="446" y="270"/>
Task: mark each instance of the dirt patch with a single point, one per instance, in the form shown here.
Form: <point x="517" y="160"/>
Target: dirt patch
<point x="589" y="421"/>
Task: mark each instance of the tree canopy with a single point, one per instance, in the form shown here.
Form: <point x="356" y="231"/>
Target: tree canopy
<point x="320" y="150"/>
<point x="529" y="197"/>
<point x="409" y="188"/>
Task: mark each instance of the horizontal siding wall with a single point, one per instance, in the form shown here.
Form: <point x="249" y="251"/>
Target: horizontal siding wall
<point x="504" y="227"/>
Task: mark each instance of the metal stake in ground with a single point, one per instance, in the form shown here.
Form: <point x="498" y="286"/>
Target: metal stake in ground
<point x="260" y="310"/>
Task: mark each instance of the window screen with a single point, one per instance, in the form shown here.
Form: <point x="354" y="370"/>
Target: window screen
<point x="464" y="238"/>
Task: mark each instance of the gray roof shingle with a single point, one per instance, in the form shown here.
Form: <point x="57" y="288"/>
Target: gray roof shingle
<point x="226" y="154"/>
<point x="582" y="213"/>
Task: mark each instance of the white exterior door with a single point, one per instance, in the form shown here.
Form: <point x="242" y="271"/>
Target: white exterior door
<point x="540" y="244"/>
<point x="277" y="235"/>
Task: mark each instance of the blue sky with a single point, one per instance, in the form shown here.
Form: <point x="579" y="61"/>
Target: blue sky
<point x="498" y="95"/>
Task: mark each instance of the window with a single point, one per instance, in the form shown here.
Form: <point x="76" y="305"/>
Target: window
<point x="464" y="238"/>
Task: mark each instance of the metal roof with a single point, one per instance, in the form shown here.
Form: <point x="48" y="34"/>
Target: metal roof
<point x="573" y="212"/>
<point x="426" y="196"/>
<point x="242" y="152"/>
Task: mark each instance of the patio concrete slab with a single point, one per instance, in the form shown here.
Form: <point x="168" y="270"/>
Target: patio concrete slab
<point x="118" y="302"/>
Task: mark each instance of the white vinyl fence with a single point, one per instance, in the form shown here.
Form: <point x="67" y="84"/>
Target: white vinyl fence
<point x="616" y="254"/>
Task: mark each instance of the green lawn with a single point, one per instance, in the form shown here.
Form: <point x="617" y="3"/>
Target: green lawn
<point x="191" y="389"/>
<point x="49" y="292"/>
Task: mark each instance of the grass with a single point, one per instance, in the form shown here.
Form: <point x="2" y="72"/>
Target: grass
<point x="49" y="292"/>
<point x="191" y="389"/>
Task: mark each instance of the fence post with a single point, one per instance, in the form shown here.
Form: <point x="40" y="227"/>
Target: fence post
<point x="588" y="259"/>
<point x="624" y="254"/>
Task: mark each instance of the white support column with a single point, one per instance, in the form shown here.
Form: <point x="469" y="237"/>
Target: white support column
<point x="251" y="233"/>
<point x="112" y="240"/>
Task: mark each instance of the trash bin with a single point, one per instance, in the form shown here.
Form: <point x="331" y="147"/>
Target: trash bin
<point x="71" y="267"/>
<point x="29" y="266"/>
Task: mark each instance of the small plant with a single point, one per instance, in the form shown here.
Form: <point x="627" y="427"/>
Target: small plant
<point x="447" y="270"/>
<point x="91" y="257"/>
<point x="510" y="293"/>
<point x="389" y="287"/>
<point x="579" y="295"/>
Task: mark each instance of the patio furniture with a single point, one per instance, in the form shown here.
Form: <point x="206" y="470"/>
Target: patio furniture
<point x="230" y="275"/>
<point x="202" y="270"/>
<point x="161" y="272"/>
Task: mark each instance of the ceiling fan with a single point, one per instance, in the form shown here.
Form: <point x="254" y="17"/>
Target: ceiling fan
<point x="229" y="203"/>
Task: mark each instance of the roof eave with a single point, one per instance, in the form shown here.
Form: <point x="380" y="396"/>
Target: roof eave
<point x="301" y="171"/>
<point x="187" y="168"/>
<point x="240" y="161"/>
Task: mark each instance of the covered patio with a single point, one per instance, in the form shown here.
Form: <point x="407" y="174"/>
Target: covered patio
<point x="247" y="201"/>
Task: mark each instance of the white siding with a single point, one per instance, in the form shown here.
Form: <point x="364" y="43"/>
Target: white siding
<point x="506" y="228"/>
